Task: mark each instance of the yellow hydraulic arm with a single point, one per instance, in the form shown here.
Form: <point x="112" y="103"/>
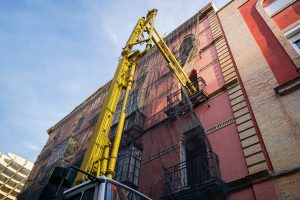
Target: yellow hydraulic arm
<point x="100" y="158"/>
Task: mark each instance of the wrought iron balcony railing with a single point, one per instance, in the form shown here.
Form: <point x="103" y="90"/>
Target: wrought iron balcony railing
<point x="133" y="127"/>
<point x="192" y="173"/>
<point x="178" y="103"/>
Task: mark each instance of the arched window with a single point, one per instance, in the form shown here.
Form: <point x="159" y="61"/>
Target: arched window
<point x="79" y="123"/>
<point x="185" y="49"/>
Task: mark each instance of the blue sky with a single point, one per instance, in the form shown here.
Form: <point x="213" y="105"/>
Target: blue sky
<point x="55" y="53"/>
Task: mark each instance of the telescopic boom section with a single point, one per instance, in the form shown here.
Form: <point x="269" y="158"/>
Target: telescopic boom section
<point x="100" y="158"/>
<point x="174" y="64"/>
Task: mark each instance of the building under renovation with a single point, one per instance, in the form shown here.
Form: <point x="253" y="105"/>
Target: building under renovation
<point x="238" y="138"/>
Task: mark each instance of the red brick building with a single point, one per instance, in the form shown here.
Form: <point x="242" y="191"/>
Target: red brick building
<point x="238" y="138"/>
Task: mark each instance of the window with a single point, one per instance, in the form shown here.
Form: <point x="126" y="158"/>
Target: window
<point x="74" y="197"/>
<point x="79" y="123"/>
<point x="128" y="166"/>
<point x="293" y="35"/>
<point x="132" y="104"/>
<point x="88" y="194"/>
<point x="82" y="194"/>
<point x="117" y="192"/>
<point x="276" y="6"/>
<point x="93" y="120"/>
<point x="185" y="49"/>
<point x="297" y="43"/>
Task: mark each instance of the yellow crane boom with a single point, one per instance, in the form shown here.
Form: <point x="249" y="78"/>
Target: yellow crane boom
<point x="100" y="158"/>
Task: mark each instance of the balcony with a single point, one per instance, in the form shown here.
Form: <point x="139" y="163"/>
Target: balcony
<point x="133" y="127"/>
<point x="128" y="166"/>
<point x="196" y="179"/>
<point x="179" y="103"/>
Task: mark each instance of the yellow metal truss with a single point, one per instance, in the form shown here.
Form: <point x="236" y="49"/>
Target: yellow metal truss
<point x="97" y="160"/>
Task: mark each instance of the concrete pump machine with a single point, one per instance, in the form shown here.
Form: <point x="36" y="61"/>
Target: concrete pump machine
<point x="94" y="179"/>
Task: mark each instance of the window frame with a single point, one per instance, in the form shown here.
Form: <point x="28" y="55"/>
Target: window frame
<point x="277" y="6"/>
<point x="117" y="184"/>
<point x="293" y="35"/>
<point x="82" y="190"/>
<point x="79" y="123"/>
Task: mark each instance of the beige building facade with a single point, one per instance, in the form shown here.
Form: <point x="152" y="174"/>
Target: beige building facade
<point x="14" y="171"/>
<point x="267" y="60"/>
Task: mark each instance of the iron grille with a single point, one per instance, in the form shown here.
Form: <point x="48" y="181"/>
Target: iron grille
<point x="128" y="166"/>
<point x="178" y="103"/>
<point x="192" y="173"/>
<point x="133" y="127"/>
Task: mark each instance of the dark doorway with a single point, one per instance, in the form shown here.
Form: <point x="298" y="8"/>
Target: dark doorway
<point x="197" y="168"/>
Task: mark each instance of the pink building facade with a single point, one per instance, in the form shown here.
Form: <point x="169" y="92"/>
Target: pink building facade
<point x="209" y="146"/>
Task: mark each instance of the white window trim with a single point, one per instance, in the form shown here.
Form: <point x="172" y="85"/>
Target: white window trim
<point x="293" y="35"/>
<point x="277" y="6"/>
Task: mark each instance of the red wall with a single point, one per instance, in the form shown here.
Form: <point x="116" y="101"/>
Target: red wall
<point x="218" y="112"/>
<point x="259" y="191"/>
<point x="265" y="191"/>
<point x="225" y="142"/>
<point x="152" y="172"/>
<point x="288" y="16"/>
<point x="280" y="63"/>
